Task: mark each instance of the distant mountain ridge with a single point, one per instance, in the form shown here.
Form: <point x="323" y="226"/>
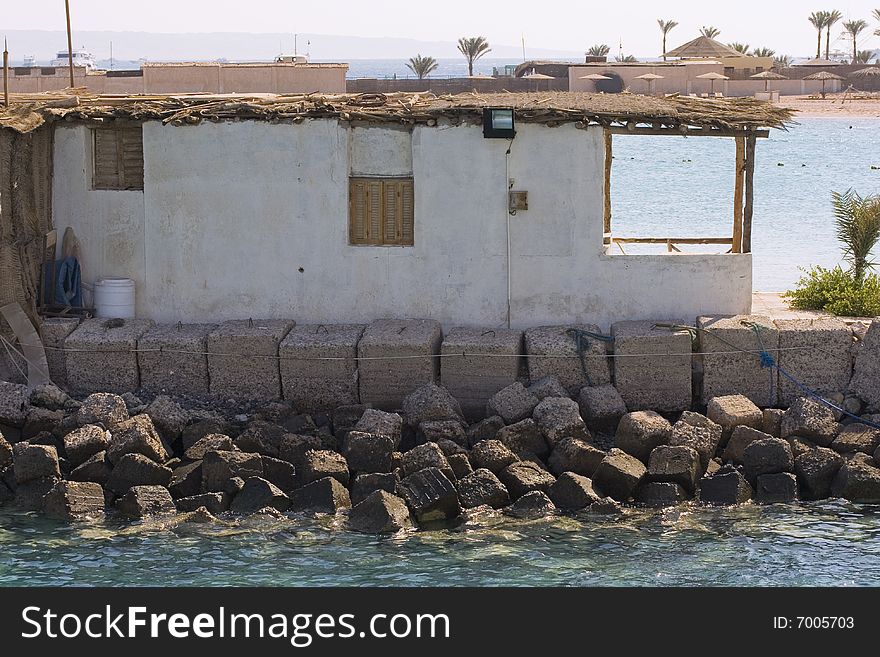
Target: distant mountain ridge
<point x="236" y="46"/>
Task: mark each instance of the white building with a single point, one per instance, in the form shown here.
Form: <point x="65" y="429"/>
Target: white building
<point x="349" y="209"/>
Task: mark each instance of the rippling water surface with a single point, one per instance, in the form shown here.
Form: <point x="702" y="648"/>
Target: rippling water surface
<point x="683" y="187"/>
<point x="830" y="543"/>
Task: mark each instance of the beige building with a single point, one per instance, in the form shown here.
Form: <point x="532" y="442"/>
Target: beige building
<point x="187" y="77"/>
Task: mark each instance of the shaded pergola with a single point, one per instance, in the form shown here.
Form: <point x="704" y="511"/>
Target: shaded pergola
<point x="766" y="76"/>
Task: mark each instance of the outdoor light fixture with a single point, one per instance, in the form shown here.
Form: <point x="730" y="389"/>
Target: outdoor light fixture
<point x="498" y="123"/>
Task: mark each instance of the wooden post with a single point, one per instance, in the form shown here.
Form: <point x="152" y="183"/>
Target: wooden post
<point x="738" y="196"/>
<point x="69" y="41"/>
<point x="749" y="191"/>
<point x="608" y="157"/>
<point x="5" y="74"/>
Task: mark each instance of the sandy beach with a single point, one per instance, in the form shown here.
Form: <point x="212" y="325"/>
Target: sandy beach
<point x="834" y="105"/>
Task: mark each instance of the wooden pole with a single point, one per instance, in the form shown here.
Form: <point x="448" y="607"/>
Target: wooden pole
<point x="749" y="190"/>
<point x="738" y="195"/>
<point x="608" y="157"/>
<point x="5" y="74"/>
<point x="69" y="41"/>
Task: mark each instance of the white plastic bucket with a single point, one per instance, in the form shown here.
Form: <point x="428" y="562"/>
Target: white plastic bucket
<point x="114" y="297"/>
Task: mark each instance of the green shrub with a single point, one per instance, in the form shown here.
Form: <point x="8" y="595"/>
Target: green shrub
<point x="837" y="292"/>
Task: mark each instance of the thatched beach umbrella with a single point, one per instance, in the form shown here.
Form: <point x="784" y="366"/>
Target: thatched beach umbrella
<point x="595" y="77"/>
<point x="869" y="72"/>
<point x="650" y="77"/>
<point x="824" y="76"/>
<point x="766" y="76"/>
<point x="712" y="76"/>
<point x="537" y="77"/>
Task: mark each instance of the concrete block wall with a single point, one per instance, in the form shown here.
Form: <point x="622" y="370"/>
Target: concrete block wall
<point x="380" y="363"/>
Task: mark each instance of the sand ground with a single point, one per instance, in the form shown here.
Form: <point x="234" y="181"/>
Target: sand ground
<point x="834" y="105"/>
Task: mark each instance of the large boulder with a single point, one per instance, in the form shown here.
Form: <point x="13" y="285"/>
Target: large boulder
<point x="640" y="432"/>
<point x="31" y="462"/>
<point x="731" y="411"/>
<point x="482" y="487"/>
<point x="547" y="386"/>
<point x="14" y="403"/>
<point x="218" y="468"/>
<point x="619" y="474"/>
<point x="724" y="487"/>
<point x="601" y="407"/>
<point x="204" y="427"/>
<point x="40" y="420"/>
<point x="136" y="435"/>
<point x="534" y="504"/>
<point x="558" y="418"/>
<point x="294" y="448"/>
<point x="493" y="455"/>
<point x="213" y="442"/>
<point x="809" y="419"/>
<point x="573" y="455"/>
<point x="95" y="469"/>
<point x="512" y="404"/>
<point x="186" y="480"/>
<point x="215" y="503"/>
<point x="740" y="438"/>
<point x="261" y="437"/>
<point x="29" y="495"/>
<point x="524" y="439"/>
<point x="778" y="487"/>
<point x="816" y="470"/>
<point x="82" y="444"/>
<point x="772" y="422"/>
<point x="362" y="485"/>
<point x="281" y="473"/>
<point x="677" y="464"/>
<point x="137" y="470"/>
<point x="435" y="431"/>
<point x="73" y="500"/>
<point x="5" y="453"/>
<point x="378" y="422"/>
<point x="430" y="495"/>
<point x="572" y="492"/>
<point x="460" y="464"/>
<point x="325" y="495"/>
<point x="258" y="494"/>
<point x="767" y="456"/>
<point x="658" y="494"/>
<point x="51" y="397"/>
<point x="857" y="438"/>
<point x="102" y="408"/>
<point x="320" y="463"/>
<point x="142" y="501"/>
<point x="430" y="402"/>
<point x="168" y="416"/>
<point x="857" y="481"/>
<point x="380" y="513"/>
<point x="424" y="456"/>
<point x="700" y="433"/>
<point x="525" y="476"/>
<point x="485" y="429"/>
<point x="368" y="452"/>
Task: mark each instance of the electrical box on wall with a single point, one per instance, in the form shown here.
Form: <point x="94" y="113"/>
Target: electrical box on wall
<point x="518" y="201"/>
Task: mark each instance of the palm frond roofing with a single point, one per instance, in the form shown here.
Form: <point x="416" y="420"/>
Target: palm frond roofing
<point x="704" y="47"/>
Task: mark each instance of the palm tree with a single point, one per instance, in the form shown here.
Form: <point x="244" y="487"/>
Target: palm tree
<point x="864" y="56"/>
<point x="710" y="32"/>
<point x="473" y="48"/>
<point x="818" y="20"/>
<point x="854" y="28"/>
<point x="626" y="59"/>
<point x="740" y="47"/>
<point x="831" y="17"/>
<point x="782" y="61"/>
<point x="876" y="14"/>
<point x="422" y="66"/>
<point x="858" y="229"/>
<point x="599" y="50"/>
<point x="665" y="28"/>
<point x="763" y="52"/>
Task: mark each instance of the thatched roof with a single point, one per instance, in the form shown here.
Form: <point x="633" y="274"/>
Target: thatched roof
<point x="27" y="113"/>
<point x="703" y="47"/>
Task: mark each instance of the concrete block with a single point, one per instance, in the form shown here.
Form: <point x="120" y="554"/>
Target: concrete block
<point x="250" y="370"/>
<point x="866" y="373"/>
<point x="474" y="378"/>
<point x="165" y="369"/>
<point x="101" y="356"/>
<point x="546" y="344"/>
<point x="314" y="385"/>
<point x="414" y="344"/>
<point x="727" y="371"/>
<point x="53" y="333"/>
<point x="660" y="381"/>
<point x="824" y="360"/>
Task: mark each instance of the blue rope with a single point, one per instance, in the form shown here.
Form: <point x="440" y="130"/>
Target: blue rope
<point x="768" y="361"/>
<point x="582" y="342"/>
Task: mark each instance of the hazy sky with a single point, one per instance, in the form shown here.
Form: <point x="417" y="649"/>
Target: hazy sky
<point x="563" y="24"/>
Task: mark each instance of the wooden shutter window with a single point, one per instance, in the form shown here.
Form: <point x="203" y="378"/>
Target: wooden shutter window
<point x="118" y="158"/>
<point x="381" y="211"/>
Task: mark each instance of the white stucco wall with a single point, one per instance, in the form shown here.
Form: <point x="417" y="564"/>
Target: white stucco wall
<point x="232" y="211"/>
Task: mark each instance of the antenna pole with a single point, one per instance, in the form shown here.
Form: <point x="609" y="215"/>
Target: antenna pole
<point x="69" y="40"/>
<point x="524" y="46"/>
<point x="111" y="55"/>
<point x="5" y="74"/>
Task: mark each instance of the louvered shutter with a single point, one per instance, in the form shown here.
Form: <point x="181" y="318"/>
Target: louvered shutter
<point x="106" y="158"/>
<point x="407" y="211"/>
<point x="357" y="213"/>
<point x="380" y="211"/>
<point x="392" y="212"/>
<point x="374" y="211"/>
<point x="132" y="149"/>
